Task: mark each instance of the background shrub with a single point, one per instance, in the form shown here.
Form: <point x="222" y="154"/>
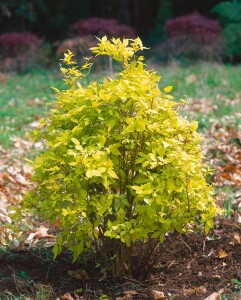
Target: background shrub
<point x="194" y="24"/>
<point x="193" y="36"/>
<point x="101" y="26"/>
<point x="230" y="18"/>
<point x="57" y="15"/>
<point x="78" y="45"/>
<point x="20" y="50"/>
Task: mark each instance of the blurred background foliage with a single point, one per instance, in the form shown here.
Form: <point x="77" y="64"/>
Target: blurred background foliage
<point x="52" y="18"/>
<point x="230" y="18"/>
<point x="52" y="21"/>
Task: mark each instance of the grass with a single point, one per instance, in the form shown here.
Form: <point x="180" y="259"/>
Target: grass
<point x="207" y="81"/>
<point x="212" y="84"/>
<point x="24" y="97"/>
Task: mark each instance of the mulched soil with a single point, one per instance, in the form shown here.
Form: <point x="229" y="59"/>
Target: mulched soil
<point x="192" y="267"/>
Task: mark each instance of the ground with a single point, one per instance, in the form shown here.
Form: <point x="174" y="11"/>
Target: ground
<point x="191" y="267"/>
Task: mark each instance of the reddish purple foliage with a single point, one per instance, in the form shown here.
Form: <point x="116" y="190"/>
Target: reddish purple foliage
<point x="21" y="50"/>
<point x="101" y="27"/>
<point x="194" y="25"/>
<point x="13" y="42"/>
<point x="193" y="36"/>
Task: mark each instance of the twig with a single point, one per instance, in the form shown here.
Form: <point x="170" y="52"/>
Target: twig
<point x="204" y="244"/>
<point x="171" y="264"/>
<point x="186" y="245"/>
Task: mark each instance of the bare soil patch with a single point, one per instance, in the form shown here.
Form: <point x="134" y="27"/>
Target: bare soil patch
<point x="192" y="267"/>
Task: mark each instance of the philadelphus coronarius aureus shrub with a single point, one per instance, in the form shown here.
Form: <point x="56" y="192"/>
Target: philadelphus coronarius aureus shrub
<point x="120" y="163"/>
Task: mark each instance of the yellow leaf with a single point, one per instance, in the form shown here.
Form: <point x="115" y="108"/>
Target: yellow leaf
<point x="112" y="174"/>
<point x="65" y="212"/>
<point x="168" y="96"/>
<point x="28" y="160"/>
<point x="101" y="170"/>
<point x="168" y="89"/>
<point x="92" y="173"/>
<point x="75" y="141"/>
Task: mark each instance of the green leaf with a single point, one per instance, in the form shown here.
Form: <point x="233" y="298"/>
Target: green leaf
<point x="104" y="297"/>
<point x="114" y="149"/>
<point x="155" y="235"/>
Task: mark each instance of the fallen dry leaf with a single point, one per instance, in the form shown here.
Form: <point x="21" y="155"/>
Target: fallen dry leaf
<point x="194" y="291"/>
<point x="83" y="274"/>
<point x="74" y="274"/>
<point x="30" y="237"/>
<point x="40" y="233"/>
<point x="79" y="274"/>
<point x="221" y="254"/>
<point x="126" y="297"/>
<point x="130" y="293"/>
<point x="237" y="217"/>
<point x="7" y="177"/>
<point x="201" y="289"/>
<point x="27" y="171"/>
<point x="34" y="124"/>
<point x="156" y="295"/>
<point x="214" y="296"/>
<point x="236" y="239"/>
<point x="66" y="296"/>
<point x="16" y="243"/>
<point x="50" y="244"/>
<point x="21" y="179"/>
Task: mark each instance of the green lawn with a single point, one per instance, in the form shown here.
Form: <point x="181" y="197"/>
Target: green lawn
<point x="24" y="97"/>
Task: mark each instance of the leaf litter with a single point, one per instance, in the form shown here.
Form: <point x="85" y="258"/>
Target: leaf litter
<point x="198" y="274"/>
<point x="15" y="175"/>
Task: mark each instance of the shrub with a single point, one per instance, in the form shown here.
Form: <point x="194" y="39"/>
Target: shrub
<point x="18" y="50"/>
<point x="101" y="26"/>
<point x="79" y="46"/>
<point x="193" y="36"/>
<point x="13" y="42"/>
<point x="194" y="25"/>
<point x="120" y="166"/>
<point x="230" y="17"/>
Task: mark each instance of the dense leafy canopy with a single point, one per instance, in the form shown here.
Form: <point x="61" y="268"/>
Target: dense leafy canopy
<point x="120" y="163"/>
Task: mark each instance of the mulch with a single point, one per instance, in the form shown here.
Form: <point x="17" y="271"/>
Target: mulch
<point x="192" y="267"/>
